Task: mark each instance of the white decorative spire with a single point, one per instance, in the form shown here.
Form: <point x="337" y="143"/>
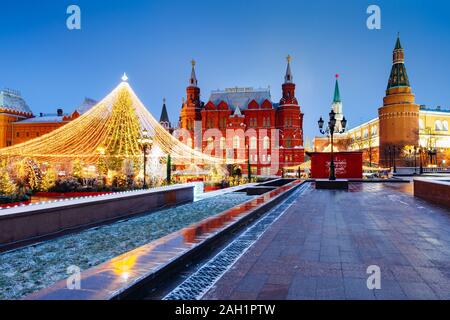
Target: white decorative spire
<point x="288" y="77"/>
<point x="193" y="79"/>
<point x="124" y="77"/>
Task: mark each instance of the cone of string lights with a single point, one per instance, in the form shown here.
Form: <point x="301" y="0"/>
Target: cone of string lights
<point x="110" y="130"/>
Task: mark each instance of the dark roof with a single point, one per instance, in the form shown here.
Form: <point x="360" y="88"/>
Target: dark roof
<point x="398" y="77"/>
<point x="86" y="105"/>
<point x="398" y="44"/>
<point x="240" y="97"/>
<point x="164" y="115"/>
<point x="13" y="101"/>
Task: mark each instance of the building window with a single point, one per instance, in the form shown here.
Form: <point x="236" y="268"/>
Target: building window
<point x="236" y="142"/>
<point x="288" y="122"/>
<point x="222" y="143"/>
<point x="266" y="143"/>
<point x="438" y="125"/>
<point x="37" y="134"/>
<point x="288" y="142"/>
<point x="445" y="125"/>
<point x="374" y="131"/>
<point x="366" y="133"/>
<point x="268" y="158"/>
<point x="222" y="123"/>
<point x="210" y="143"/>
<point x="17" y="134"/>
<point x="28" y="134"/>
<point x="253" y="143"/>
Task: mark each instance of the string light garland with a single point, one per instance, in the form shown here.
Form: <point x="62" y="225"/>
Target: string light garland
<point x="111" y="129"/>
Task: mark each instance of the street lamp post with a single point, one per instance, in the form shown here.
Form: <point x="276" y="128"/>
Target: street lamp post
<point x="330" y="130"/>
<point x="249" y="167"/>
<point x="393" y="158"/>
<point x="146" y="143"/>
<point x="415" y="160"/>
<point x="421" y="160"/>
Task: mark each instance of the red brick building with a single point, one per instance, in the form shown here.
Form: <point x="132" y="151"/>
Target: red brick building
<point x="238" y="123"/>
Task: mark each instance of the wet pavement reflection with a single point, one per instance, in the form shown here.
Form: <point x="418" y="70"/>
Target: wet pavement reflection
<point x="115" y="276"/>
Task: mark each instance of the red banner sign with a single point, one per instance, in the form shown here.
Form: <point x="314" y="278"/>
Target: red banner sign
<point x="348" y="165"/>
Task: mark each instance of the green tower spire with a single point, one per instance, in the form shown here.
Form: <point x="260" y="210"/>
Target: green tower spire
<point x="337" y="95"/>
<point x="398" y="44"/>
<point x="399" y="76"/>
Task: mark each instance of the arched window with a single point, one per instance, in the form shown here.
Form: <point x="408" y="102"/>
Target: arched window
<point x="222" y="143"/>
<point x="445" y="125"/>
<point x="366" y="133"/>
<point x="266" y="143"/>
<point x="438" y="125"/>
<point x="210" y="143"/>
<point x="236" y="142"/>
<point x="253" y="143"/>
<point x="374" y="130"/>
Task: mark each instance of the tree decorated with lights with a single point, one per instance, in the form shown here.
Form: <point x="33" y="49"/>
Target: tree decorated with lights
<point x="77" y="168"/>
<point x="122" y="132"/>
<point x="169" y="169"/>
<point x="7" y="187"/>
<point x="48" y="179"/>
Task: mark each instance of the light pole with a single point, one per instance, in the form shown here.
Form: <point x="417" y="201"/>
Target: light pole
<point x="146" y="142"/>
<point x="415" y="160"/>
<point x="249" y="168"/>
<point x="330" y="130"/>
<point x="393" y="158"/>
<point x="421" y="160"/>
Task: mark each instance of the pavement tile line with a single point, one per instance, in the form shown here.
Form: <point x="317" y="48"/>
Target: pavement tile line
<point x="200" y="282"/>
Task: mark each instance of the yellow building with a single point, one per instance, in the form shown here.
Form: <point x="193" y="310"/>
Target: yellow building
<point x="402" y="128"/>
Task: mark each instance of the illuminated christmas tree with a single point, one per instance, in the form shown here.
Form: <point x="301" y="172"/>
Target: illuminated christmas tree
<point x="48" y="179"/>
<point x="122" y="132"/>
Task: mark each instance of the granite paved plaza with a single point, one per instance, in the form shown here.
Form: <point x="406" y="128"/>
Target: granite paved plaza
<point x="321" y="248"/>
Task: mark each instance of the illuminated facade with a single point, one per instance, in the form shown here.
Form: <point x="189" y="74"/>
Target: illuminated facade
<point x="401" y="124"/>
<point x="246" y="122"/>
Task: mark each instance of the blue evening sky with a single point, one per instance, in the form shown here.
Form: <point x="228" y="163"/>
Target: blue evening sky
<point x="235" y="43"/>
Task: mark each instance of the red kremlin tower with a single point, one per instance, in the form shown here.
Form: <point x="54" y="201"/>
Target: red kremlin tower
<point x="271" y="134"/>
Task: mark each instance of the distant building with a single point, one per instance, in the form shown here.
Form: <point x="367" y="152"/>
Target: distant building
<point x="18" y="124"/>
<point x="401" y="124"/>
<point x="244" y="109"/>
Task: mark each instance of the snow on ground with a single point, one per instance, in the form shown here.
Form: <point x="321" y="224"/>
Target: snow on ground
<point x="35" y="267"/>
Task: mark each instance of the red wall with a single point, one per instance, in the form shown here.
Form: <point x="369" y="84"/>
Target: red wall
<point x="348" y="165"/>
<point x="437" y="192"/>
